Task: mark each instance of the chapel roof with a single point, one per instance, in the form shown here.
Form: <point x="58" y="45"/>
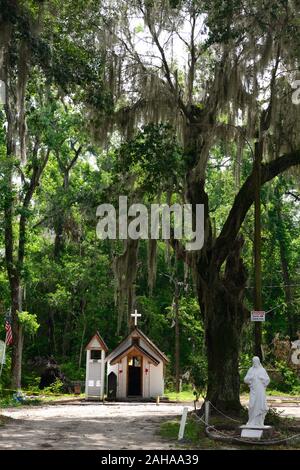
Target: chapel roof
<point x="100" y="341"/>
<point x="134" y="348"/>
<point x="123" y="346"/>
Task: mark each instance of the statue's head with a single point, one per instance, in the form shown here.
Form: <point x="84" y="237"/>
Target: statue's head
<point x="256" y="361"/>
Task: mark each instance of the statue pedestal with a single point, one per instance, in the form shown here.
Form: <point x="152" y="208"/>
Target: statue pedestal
<point x="256" y="432"/>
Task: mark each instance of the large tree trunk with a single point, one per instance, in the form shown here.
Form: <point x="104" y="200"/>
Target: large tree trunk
<point x="17" y="346"/>
<point x="14" y="281"/>
<point x="221" y="298"/>
<point x="223" y="327"/>
<point x="221" y="302"/>
<point x="17" y="351"/>
<point x="13" y="269"/>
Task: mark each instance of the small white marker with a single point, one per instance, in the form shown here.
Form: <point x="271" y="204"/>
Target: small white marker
<point x="182" y="423"/>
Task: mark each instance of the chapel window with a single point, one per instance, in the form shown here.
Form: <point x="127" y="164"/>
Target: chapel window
<point x="95" y="354"/>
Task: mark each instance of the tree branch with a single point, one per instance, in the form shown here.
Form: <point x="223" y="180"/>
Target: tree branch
<point x="243" y="201"/>
<point x="36" y="175"/>
<point x="75" y="158"/>
<point x="295" y="196"/>
<point x="168" y="74"/>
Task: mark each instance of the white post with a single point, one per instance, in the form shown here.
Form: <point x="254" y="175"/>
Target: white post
<point x="3" y="357"/>
<point x="182" y="423"/>
<point x="102" y="374"/>
<point x="206" y="405"/>
<point x="87" y="373"/>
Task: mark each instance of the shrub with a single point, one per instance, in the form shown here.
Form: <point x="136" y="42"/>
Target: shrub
<point x="56" y="388"/>
<point x="289" y="382"/>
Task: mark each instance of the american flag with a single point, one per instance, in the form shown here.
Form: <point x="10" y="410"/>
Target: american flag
<point x="9" y="336"/>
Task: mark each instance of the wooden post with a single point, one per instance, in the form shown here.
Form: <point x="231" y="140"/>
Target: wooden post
<point x="257" y="247"/>
<point x="207" y="410"/>
<point x="177" y="335"/>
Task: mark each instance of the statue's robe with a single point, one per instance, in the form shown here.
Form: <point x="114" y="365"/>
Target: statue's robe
<point x="257" y="379"/>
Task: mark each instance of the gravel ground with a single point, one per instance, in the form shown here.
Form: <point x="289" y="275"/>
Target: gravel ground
<point x="289" y="411"/>
<point x="83" y="425"/>
<point x="87" y="426"/>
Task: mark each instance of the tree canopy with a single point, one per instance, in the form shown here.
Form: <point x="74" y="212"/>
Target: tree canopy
<point x="164" y="102"/>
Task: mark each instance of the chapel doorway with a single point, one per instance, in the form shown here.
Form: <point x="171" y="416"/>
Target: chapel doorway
<point x="134" y="387"/>
<point x="112" y="386"/>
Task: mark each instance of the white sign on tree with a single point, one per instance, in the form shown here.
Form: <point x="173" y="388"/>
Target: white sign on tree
<point x="258" y="315"/>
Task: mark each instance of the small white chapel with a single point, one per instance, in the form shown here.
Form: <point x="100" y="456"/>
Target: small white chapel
<point x="134" y="369"/>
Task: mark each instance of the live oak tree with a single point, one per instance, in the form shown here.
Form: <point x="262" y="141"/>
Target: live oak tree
<point x="230" y="90"/>
<point x="36" y="52"/>
<point x="81" y="73"/>
<point x="23" y="163"/>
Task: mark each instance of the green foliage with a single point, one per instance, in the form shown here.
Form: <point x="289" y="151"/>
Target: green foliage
<point x="72" y="95"/>
<point x="56" y="388"/>
<point x="184" y="396"/>
<point x="290" y="382"/>
<point x="29" y="322"/>
<point x="70" y="370"/>
<point x="154" y="158"/>
<point x="170" y="429"/>
<point x="5" y="376"/>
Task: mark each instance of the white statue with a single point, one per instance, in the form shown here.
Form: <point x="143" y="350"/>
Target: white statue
<point x="258" y="380"/>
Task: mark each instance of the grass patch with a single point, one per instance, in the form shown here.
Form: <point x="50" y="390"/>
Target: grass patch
<point x="195" y="437"/>
<point x="279" y="393"/>
<point x="194" y="434"/>
<point x="169" y="429"/>
<point x="186" y="395"/>
<point x="10" y="402"/>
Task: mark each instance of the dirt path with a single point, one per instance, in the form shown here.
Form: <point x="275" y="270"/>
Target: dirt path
<point x="87" y="426"/>
<point x="84" y="425"/>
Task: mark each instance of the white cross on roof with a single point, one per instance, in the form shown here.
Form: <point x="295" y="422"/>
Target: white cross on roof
<point x="135" y="315"/>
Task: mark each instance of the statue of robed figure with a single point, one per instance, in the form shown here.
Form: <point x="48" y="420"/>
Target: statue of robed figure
<point x="257" y="379"/>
